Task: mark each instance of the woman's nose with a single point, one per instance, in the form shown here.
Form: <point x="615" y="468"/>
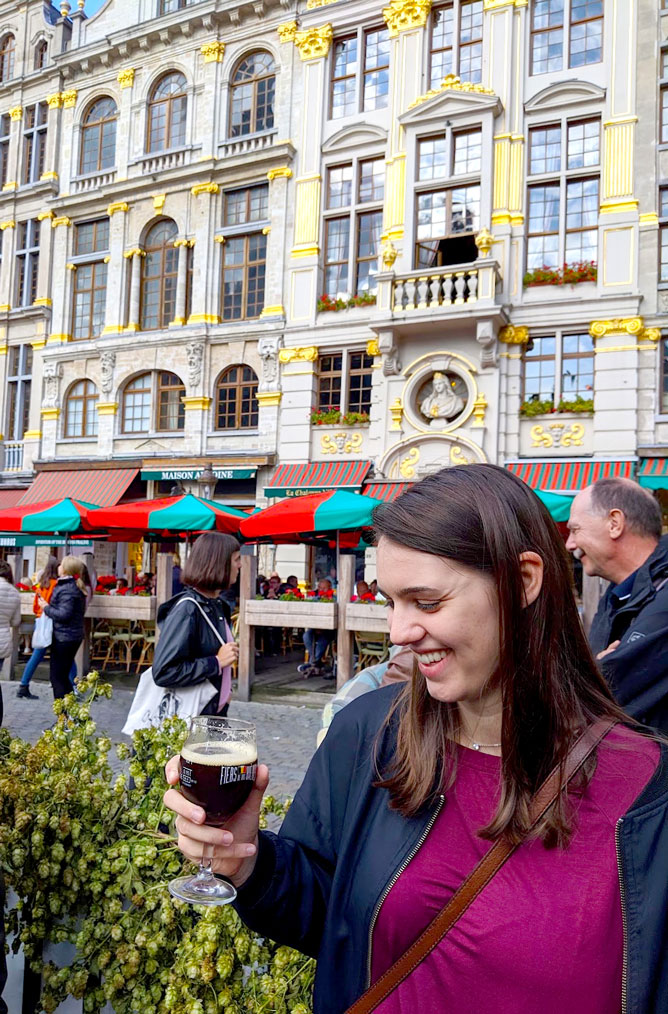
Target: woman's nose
<point x="404" y="629"/>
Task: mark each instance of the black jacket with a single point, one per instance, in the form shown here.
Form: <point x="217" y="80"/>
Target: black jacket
<point x="187" y="646"/>
<point x="637" y="671"/>
<point x="317" y="885"/>
<point x="66" y="609"/>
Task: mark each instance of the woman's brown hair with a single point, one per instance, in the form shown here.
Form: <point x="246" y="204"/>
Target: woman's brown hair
<point x="483" y="517"/>
<point x="208" y="566"/>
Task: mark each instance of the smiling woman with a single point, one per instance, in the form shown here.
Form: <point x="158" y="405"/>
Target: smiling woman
<point x="413" y="782"/>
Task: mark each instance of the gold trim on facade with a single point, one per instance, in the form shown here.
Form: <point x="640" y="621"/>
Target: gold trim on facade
<point x="107" y="407"/>
<point x="396" y="413"/>
<point x="58" y="339"/>
<point x="50" y="413"/>
<point x="196" y="404"/>
<point x="43" y="215"/>
<point x="314" y="43"/>
<point x="273" y="311"/>
<point x="512" y="335"/>
<point x="308" y="354"/>
<point x="135" y="252"/>
<point x="484" y="241"/>
<point x="451" y="83"/>
<point x="204" y="318"/>
<point x="10" y="185"/>
<point x="61" y="220"/>
<point x="126" y="78"/>
<point x="283" y="172"/>
<point x="117" y="206"/>
<point x="54" y="101"/>
<point x="204" y="188"/>
<point x="159" y="201"/>
<point x="69" y="98"/>
<point x="50" y="175"/>
<point x="403" y="15"/>
<point x="213" y="52"/>
<point x="16" y="113"/>
<point x="42" y="301"/>
<point x="269" y="399"/>
<point x="287" y="31"/>
<point x="9" y="224"/>
<point x="32" y="435"/>
<point x="373" y="348"/>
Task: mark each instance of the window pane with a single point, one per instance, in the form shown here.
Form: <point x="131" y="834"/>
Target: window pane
<point x="344" y="71"/>
<point x="663" y="241"/>
<point x="376" y="69"/>
<point x="431" y="158"/>
<point x="465" y="209"/>
<point x="431" y="214"/>
<point x="372" y="180"/>
<point x="369" y="229"/>
<point x="543" y="250"/>
<point x="583" y="144"/>
<point x="337" y="251"/>
<point x="547" y="37"/>
<point x="339" y="186"/>
<point x="545" y="150"/>
<point x="581" y="215"/>
<point x="442" y="38"/>
<point x="586" y="32"/>
<point x="137" y="405"/>
<point x="470" y="41"/>
<point x="468" y="150"/>
<point x="539" y="370"/>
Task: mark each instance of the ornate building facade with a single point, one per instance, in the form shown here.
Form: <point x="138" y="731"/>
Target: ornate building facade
<point x="331" y="243"/>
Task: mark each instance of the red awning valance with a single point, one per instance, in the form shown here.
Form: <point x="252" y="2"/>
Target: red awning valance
<point x="568" y="476"/>
<point x="317" y="477"/>
<point x="386" y="490"/>
<point x="100" y="486"/>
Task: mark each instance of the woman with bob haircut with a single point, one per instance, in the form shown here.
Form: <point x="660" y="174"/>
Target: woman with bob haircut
<point x="414" y="782"/>
<point x="188" y="650"/>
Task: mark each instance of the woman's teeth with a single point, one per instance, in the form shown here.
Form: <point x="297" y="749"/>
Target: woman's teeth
<point x="432" y="656"/>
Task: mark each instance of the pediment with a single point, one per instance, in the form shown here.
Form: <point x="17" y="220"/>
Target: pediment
<point x="152" y="445"/>
<point x="450" y="102"/>
<point x="565" y="93"/>
<point x="355" y="136"/>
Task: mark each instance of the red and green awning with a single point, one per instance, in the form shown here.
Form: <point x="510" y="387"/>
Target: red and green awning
<point x="568" y="477"/>
<point x="186" y="513"/>
<point x="98" y="486"/>
<point x="653" y="473"/>
<point x="386" y="491"/>
<point x="313" y="514"/>
<point x="317" y="477"/>
<point x="48" y="517"/>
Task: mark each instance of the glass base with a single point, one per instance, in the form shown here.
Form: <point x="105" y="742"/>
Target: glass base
<point x="208" y="890"/>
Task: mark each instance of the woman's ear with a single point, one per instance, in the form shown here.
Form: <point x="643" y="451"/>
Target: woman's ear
<point x="531" y="568"/>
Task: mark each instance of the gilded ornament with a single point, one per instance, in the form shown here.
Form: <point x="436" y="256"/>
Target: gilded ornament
<point x="396" y="411"/>
<point x="314" y="43"/>
<point x="287" y="31"/>
<point x="484" y="241"/>
<point x="389" y="255"/>
<point x="309" y="354"/>
<point x="184" y="242"/>
<point x="54" y="101"/>
<point x="44" y="215"/>
<point x="457" y="457"/>
<point x="619" y="325"/>
<point x="402" y="15"/>
<point x="126" y="78"/>
<point x="372" y="348"/>
<point x="283" y="172"/>
<point x="159" y="201"/>
<point x="69" y="98"/>
<point x="9" y="224"/>
<point x="61" y="220"/>
<point x="16" y="113"/>
<point x="341" y="443"/>
<point x="652" y="334"/>
<point x="213" y="52"/>
<point x="511" y="335"/>
<point x="117" y="206"/>
<point x="71" y="267"/>
<point x="407" y="466"/>
<point x="64" y="8"/>
<point x="204" y="188"/>
<point x="479" y="409"/>
<point x="135" y="252"/>
<point x="451" y="83"/>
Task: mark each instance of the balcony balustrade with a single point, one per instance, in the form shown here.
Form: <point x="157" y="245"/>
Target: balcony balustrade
<point x="13" y="456"/>
<point x="92" y="181"/>
<point x="246" y="145"/>
<point x="440" y="289"/>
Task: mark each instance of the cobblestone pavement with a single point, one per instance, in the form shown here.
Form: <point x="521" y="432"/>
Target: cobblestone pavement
<point x="286" y="734"/>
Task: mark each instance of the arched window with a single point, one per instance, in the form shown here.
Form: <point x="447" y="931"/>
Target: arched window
<point x="7" y="46"/>
<point x="159" y="275"/>
<point x="167" y="113"/>
<point x="136" y="415"/>
<point x="171" y="410"/>
<point x="41" y="50"/>
<point x="252" y="95"/>
<point x="236" y="404"/>
<point x="80" y="410"/>
<point x="98" y="137"/>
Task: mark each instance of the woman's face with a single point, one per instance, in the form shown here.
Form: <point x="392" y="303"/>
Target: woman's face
<point x="447" y="614"/>
<point x="60" y="570"/>
<point x="235" y="566"/>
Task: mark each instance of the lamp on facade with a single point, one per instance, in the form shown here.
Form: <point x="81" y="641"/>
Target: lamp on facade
<point x="206" y="482"/>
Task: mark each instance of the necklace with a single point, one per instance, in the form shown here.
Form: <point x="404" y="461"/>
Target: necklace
<point x="486" y="746"/>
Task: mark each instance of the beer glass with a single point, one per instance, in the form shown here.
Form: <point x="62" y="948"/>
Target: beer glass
<point x="218" y="769"/>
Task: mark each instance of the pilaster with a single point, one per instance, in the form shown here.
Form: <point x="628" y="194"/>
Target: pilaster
<point x="51" y="162"/>
<point x="68" y="163"/>
<point x="44" y="280"/>
<point x="62" y="293"/>
<point x="212" y="89"/>
<point x="182" y="245"/>
<point x="14" y="162"/>
<point x="205" y="306"/>
<point x="8" y="229"/>
<point x="115" y="314"/>
<point x="106" y="427"/>
<point x="135" y="257"/>
<point x="298" y="383"/>
<point x="276" y="241"/>
<point x="126" y="80"/>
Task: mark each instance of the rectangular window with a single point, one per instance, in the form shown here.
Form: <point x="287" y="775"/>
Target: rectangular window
<point x="663" y="234"/>
<point x="34" y="142"/>
<point x="244" y="253"/>
<point x="89" y="298"/>
<point x="432" y="158"/>
<point x="444" y="218"/>
<point x="352" y="236"/>
<point x="344" y="381"/>
<point x="664" y="115"/>
<point x="19" y="373"/>
<point x="563" y="209"/>
<point x="456" y="41"/>
<point x="5" y="128"/>
<point x="565" y="33"/>
<point x="467" y="152"/>
<point x="664" y="376"/>
<point x="360" y="85"/>
<point x="558" y="369"/>
<point x="27" y="262"/>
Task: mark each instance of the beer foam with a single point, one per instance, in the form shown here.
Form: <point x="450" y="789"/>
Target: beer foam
<point x="216" y="753"/>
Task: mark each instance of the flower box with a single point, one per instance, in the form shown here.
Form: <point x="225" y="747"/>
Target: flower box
<point x="567" y="274"/>
<point x="360" y="616"/>
<point x="106" y="607"/>
<point x="274" y="613"/>
<point x="328" y="304"/>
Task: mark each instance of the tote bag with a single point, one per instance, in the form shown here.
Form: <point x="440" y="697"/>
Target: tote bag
<point x="152" y="704"/>
<point x="43" y="632"/>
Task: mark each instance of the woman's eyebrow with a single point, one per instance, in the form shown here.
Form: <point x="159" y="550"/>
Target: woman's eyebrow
<point x="417" y="590"/>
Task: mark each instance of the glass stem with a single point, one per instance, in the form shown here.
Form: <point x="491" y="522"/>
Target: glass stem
<point x="205" y="872"/>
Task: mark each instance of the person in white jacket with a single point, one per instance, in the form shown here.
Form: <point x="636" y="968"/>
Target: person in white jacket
<point x="10" y="615"/>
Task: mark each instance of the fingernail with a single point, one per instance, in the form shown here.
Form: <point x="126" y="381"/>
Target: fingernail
<point x="227" y="838"/>
<point x="197" y="816"/>
<point x="249" y="850"/>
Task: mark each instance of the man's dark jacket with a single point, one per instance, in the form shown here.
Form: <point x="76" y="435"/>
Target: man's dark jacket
<point x="317" y="885"/>
<point x="66" y="609"/>
<point x="637" y="671"/>
<point x="187" y="646"/>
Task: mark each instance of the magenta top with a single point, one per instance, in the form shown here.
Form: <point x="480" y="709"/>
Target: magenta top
<point x="547" y="931"/>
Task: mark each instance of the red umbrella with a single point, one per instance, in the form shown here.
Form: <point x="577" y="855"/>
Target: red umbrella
<point x="316" y="514"/>
<point x="186" y="513"/>
<point x="47" y="517"/>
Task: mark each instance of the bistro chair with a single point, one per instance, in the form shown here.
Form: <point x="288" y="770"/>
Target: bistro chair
<point x="372" y="648"/>
<point x="147" y="635"/>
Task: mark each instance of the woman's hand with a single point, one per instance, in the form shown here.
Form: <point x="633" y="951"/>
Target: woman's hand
<point x="233" y="848"/>
<point x="42" y="602"/>
<point x="228" y="653"/>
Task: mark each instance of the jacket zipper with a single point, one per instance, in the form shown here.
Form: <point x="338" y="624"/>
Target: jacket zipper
<point x="411" y="855"/>
<point x="622" y="891"/>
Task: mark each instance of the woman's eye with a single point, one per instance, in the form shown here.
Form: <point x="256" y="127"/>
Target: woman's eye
<point x="428" y="607"/>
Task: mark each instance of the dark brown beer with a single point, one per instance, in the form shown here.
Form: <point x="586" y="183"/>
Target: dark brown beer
<point x="218" y="776"/>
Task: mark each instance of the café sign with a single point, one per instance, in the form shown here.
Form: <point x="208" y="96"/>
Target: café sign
<point x="192" y="474"/>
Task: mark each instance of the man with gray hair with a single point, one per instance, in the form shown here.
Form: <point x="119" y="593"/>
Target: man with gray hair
<point x="615" y="532"/>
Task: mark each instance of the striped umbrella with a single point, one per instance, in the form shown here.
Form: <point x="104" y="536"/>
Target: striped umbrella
<point x="47" y="517"/>
<point x="312" y="514"/>
<point x="185" y="513"/>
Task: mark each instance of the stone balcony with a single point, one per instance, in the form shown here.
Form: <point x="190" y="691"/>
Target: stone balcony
<point x="92" y="181"/>
<point x="448" y="290"/>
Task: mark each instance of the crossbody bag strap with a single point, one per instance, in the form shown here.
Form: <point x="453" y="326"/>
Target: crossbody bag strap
<point x="488" y="866"/>
<point x="212" y="625"/>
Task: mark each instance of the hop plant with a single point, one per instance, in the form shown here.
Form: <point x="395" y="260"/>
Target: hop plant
<point x="89" y="857"/>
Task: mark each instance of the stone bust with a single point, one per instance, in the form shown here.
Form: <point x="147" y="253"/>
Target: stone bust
<point x="443" y="403"/>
